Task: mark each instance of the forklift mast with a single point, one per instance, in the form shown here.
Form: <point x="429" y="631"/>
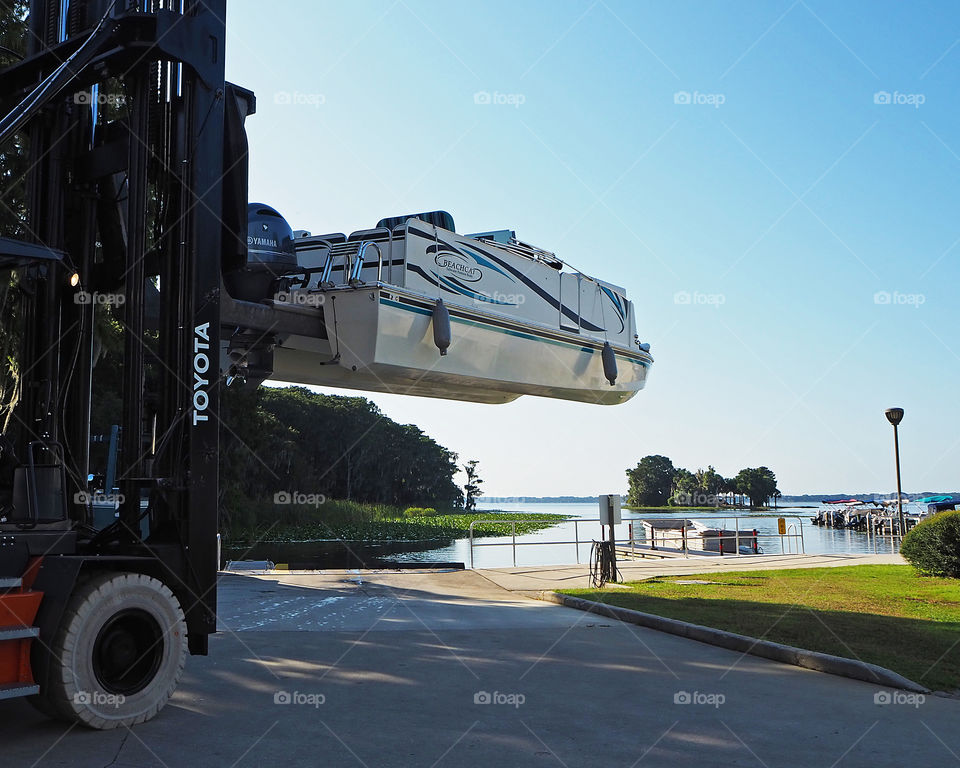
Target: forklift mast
<point x="136" y="187"/>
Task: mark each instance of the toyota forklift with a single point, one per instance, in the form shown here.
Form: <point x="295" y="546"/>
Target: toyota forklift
<point x="133" y="206"/>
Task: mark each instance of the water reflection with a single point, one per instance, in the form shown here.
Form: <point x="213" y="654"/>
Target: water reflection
<point x="555" y="545"/>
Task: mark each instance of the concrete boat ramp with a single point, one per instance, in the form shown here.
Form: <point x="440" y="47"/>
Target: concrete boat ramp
<point x="452" y="669"/>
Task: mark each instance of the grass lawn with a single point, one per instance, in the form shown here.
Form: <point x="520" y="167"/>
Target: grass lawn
<point x="883" y="614"/>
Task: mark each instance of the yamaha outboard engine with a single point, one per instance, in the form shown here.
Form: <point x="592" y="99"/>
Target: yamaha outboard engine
<point x="270" y="255"/>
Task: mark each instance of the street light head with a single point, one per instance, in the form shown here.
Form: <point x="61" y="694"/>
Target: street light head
<point x="894" y="415"/>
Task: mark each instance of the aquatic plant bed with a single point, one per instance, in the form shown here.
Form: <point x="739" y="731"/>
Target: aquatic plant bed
<point x="880" y="614"/>
<point x="428" y="528"/>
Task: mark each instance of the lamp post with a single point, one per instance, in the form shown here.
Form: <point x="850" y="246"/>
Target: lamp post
<point x="895" y="416"/>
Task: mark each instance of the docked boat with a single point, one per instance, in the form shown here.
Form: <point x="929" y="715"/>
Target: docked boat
<point x="681" y="535"/>
<point x="846" y="513"/>
<point x="412" y="307"/>
<point x="881" y="516"/>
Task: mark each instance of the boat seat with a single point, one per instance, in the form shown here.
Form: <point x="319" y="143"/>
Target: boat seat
<point x="380" y="233"/>
<point x="333" y="238"/>
<point x="440" y="219"/>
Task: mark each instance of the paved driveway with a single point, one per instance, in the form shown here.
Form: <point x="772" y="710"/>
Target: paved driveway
<point x="450" y="670"/>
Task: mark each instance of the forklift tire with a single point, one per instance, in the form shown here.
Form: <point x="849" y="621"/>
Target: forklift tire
<point x="119" y="653"/>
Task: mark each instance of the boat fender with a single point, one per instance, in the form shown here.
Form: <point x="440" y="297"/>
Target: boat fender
<point x="609" y="363"/>
<point x="441" y="327"/>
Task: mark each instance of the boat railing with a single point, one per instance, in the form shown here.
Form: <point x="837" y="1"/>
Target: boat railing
<point x="790" y="541"/>
<point x="354" y="279"/>
<point x="353" y="263"/>
<point x="521" y="248"/>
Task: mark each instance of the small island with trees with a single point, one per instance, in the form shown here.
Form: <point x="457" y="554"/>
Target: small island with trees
<point x="655" y="483"/>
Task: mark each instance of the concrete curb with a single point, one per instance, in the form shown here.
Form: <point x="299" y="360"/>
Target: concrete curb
<point x="787" y="654"/>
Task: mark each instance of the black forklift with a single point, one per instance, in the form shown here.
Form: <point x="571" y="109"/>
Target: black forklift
<point x="132" y="207"/>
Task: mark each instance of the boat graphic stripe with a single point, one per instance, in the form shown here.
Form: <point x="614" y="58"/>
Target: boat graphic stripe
<point x="423" y="308"/>
<point x="452" y="284"/>
<point x="615" y="299"/>
<point x="483" y="262"/>
<point x="554" y="302"/>
<point x="551" y="300"/>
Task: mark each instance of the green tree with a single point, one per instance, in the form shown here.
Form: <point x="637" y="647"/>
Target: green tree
<point x="472" y="489"/>
<point x="711" y="484"/>
<point x="684" y="489"/>
<point x="758" y="484"/>
<point x="730" y="485"/>
<point x="650" y="482"/>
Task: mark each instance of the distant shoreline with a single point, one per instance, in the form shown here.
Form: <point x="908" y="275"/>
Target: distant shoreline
<point x="783" y="500"/>
<point x="539" y="499"/>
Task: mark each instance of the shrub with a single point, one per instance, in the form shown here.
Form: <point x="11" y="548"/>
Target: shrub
<point x="419" y="512"/>
<point x="933" y="546"/>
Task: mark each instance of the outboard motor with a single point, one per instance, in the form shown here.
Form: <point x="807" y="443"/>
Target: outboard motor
<point x="270" y="255"/>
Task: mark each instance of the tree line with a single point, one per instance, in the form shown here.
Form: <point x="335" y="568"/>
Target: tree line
<point x="295" y="440"/>
<point x="656" y="482"/>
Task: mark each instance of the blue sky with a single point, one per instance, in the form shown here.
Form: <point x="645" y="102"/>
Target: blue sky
<point x="791" y="168"/>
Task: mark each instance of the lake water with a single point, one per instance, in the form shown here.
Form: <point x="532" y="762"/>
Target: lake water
<point x="557" y="545"/>
<point x="541" y="550"/>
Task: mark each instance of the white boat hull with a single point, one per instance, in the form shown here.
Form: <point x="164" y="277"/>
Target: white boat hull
<point x="380" y="339"/>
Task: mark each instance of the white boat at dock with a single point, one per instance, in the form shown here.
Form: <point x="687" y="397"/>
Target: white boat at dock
<point x="693" y="536"/>
<point x="881" y="517"/>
